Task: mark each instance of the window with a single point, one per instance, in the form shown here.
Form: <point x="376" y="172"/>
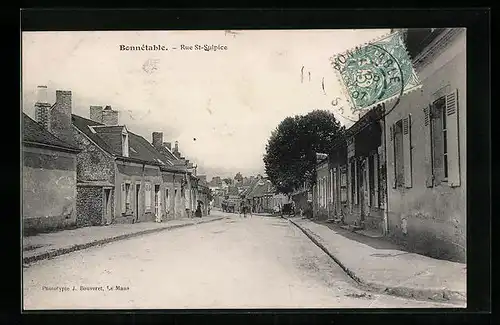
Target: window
<point x="147" y="194"/>
<point x="442" y="149"/>
<point x="439" y="139"/>
<point x="371" y="179"/>
<point x="343" y="184"/>
<point x="127" y="197"/>
<point x="398" y="153"/>
<point x="125" y="150"/>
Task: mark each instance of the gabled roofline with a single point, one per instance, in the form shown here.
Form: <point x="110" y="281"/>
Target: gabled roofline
<point x="90" y="140"/>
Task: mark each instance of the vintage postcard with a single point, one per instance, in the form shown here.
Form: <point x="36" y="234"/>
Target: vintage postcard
<point x="244" y="169"/>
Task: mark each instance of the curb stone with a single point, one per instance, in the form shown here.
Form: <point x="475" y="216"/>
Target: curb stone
<point x="66" y="250"/>
<point x="443" y="295"/>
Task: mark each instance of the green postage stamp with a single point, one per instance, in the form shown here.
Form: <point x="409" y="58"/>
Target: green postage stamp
<point x="376" y="72"/>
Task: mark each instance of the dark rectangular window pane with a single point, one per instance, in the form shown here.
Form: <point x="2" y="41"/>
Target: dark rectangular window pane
<point x="445" y="148"/>
<point x="446" y="166"/>
<point x="443" y="110"/>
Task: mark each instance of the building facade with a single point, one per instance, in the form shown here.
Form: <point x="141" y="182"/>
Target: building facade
<point x="138" y="182"/>
<point x="427" y="149"/>
<point x="49" y="175"/>
<point x="403" y="171"/>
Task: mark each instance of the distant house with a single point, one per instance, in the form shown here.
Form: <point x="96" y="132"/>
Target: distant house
<point x="262" y="196"/>
<point x="49" y="169"/>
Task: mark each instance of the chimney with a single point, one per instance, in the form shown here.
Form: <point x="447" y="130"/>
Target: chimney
<point x="109" y="116"/>
<point x="168" y="145"/>
<point x="96" y="113"/>
<point x="176" y="150"/>
<point x="41" y="95"/>
<point x="42" y="107"/>
<point x="157" y="139"/>
<point x="60" y="117"/>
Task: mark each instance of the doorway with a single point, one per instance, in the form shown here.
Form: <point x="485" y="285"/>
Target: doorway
<point x="362" y="188"/>
<point x="158" y="203"/>
<point x="107" y="206"/>
<point x="137" y="191"/>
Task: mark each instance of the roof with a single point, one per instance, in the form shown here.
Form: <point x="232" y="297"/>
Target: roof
<point x="109" y="139"/>
<point x="232" y="190"/>
<point x="36" y="134"/>
<point x="249" y="188"/>
<point x="262" y="188"/>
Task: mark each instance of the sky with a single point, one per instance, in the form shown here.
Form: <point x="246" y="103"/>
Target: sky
<point x="220" y="106"/>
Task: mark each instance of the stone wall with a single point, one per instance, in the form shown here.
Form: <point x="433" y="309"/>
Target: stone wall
<point x="89" y="205"/>
<point x="93" y="164"/>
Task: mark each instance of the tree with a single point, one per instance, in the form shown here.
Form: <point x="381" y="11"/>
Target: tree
<point x="238" y="177"/>
<point x="228" y="181"/>
<point x="290" y="157"/>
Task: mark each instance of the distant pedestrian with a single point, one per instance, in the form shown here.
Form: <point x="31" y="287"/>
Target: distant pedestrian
<point x="198" y="211"/>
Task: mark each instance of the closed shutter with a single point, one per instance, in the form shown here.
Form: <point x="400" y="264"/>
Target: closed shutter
<point x="391" y="173"/>
<point x="147" y="194"/>
<point x="348" y="183"/>
<point x="123" y="198"/>
<point x="427" y="138"/>
<point x="375" y="179"/>
<point x="452" y="139"/>
<point x="355" y="181"/>
<point x="367" y="181"/>
<point x="407" y="151"/>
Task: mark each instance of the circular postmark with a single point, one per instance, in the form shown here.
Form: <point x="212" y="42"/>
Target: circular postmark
<point x="150" y="66"/>
<point x="375" y="72"/>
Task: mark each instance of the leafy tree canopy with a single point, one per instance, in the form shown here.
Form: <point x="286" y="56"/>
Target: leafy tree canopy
<point x="238" y="177"/>
<point x="290" y="157"/>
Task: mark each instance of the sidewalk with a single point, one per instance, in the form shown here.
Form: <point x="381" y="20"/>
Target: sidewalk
<point x="44" y="246"/>
<point x="381" y="266"/>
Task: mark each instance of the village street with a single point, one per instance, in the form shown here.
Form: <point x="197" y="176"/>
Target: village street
<point x="257" y="262"/>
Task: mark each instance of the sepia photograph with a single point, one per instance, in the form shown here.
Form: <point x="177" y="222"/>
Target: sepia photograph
<point x="244" y="169"/>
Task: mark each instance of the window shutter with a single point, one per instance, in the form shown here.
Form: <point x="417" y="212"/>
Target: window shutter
<point x="348" y="181"/>
<point x="332" y="190"/>
<point x="123" y="198"/>
<point x="407" y="151"/>
<point x="390" y="157"/>
<point x="375" y="179"/>
<point x="426" y="134"/>
<point x="355" y="181"/>
<point x="367" y="181"/>
<point x="452" y="139"/>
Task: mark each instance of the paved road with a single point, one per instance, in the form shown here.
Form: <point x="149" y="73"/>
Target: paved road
<point x="258" y="262"/>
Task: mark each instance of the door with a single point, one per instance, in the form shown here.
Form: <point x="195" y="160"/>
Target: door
<point x="137" y="197"/>
<point x="167" y="204"/>
<point x="361" y="189"/>
<point x="158" y="213"/>
<point x="107" y="206"/>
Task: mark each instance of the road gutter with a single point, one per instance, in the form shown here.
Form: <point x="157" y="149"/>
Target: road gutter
<point x="439" y="295"/>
